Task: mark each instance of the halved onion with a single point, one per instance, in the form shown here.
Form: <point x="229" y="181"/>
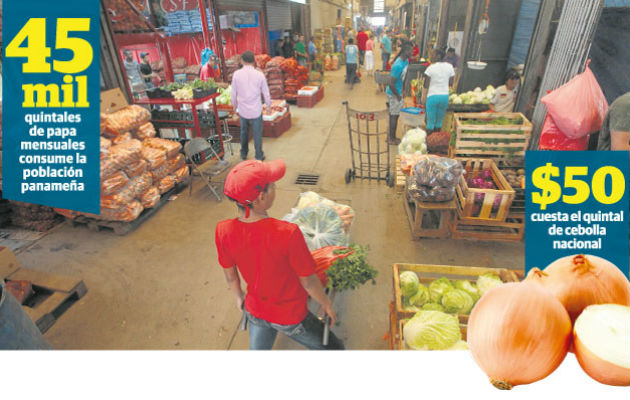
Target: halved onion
<point x="601" y="337"/>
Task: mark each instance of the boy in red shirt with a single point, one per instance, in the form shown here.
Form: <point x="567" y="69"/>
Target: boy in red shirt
<point x="272" y="257"/>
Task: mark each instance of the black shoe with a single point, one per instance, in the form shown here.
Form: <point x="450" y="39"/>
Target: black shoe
<point x="243" y="157"/>
<point x="261" y="159"/>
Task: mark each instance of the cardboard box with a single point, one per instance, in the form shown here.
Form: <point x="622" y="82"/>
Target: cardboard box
<point x="8" y="263"/>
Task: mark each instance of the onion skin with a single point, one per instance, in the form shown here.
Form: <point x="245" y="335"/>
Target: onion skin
<point x="579" y="281"/>
<point x="518" y="333"/>
<point x="601" y="370"/>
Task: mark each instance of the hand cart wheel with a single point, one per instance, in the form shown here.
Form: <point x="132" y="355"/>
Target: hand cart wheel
<point x="348" y="175"/>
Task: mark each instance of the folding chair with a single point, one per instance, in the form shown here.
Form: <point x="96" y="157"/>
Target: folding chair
<point x="198" y="151"/>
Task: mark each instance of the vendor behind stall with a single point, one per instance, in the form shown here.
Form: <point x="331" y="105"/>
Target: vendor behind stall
<point x="272" y="257"/>
<point x="505" y="95"/>
<point x="132" y="69"/>
<point x="146" y="70"/>
<point x="209" y="67"/>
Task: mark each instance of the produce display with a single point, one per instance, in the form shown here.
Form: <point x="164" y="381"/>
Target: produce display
<point x="296" y="76"/>
<point x="196" y="88"/>
<point x="432" y="330"/>
<point x="122" y="16"/>
<point x="331" y="61"/>
<point x="435" y="179"/>
<point x="414" y="141"/>
<point x="483" y="180"/>
<point x="125" y="120"/>
<point x="32" y="216"/>
<point x="491" y="134"/>
<point x="438" y="142"/>
<point x="320" y="225"/>
<point x="275" y="77"/>
<point x="514" y="176"/>
<point x="476" y="96"/>
<point x="452" y="297"/>
<point x="135" y="172"/>
<point x="225" y="98"/>
<point x="581" y="300"/>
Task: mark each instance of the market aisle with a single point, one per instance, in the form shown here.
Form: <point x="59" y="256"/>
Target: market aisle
<point x="160" y="286"/>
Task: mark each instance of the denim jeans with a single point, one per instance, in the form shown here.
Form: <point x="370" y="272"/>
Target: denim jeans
<point x="351" y="73"/>
<point x="17" y="330"/>
<point x="309" y="333"/>
<point x="257" y="127"/>
<point x="385" y="57"/>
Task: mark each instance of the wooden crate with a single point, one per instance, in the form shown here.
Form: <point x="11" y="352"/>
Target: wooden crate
<point x="510" y="230"/>
<point x="428" y="273"/>
<point x="466" y="196"/>
<point x="418" y="210"/>
<point x="400" y="182"/>
<point x="490" y="141"/>
<point x="400" y="339"/>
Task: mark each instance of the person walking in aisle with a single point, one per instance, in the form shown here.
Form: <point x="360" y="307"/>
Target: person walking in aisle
<point x="272" y="257"/>
<point x="394" y="91"/>
<point x="438" y="78"/>
<point x="615" y="131"/>
<point x="248" y="86"/>
<point x="369" y="55"/>
<point x="386" y="50"/>
<point x="362" y="38"/>
<point x="352" y="52"/>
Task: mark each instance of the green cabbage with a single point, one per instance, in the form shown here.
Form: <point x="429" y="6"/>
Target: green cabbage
<point x="431" y="330"/>
<point x="409" y="283"/>
<point x="486" y="282"/>
<point x="469" y="288"/>
<point x="457" y="301"/>
<point x="432" y="307"/>
<point x="422" y="296"/>
<point x="460" y="345"/>
<point x="438" y="287"/>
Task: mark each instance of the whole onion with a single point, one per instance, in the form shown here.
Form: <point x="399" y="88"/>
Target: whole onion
<point x="518" y="333"/>
<point x="581" y="280"/>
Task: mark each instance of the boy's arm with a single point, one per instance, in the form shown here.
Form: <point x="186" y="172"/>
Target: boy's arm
<point x="234" y="281"/>
<point x="314" y="288"/>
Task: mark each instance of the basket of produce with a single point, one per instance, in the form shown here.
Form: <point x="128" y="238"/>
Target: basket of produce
<point x="434" y="179"/>
<point x="483" y="193"/>
<point x="447" y="289"/>
<point x="494" y="135"/>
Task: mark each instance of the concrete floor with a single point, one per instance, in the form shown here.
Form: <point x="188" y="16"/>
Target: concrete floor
<point x="160" y="287"/>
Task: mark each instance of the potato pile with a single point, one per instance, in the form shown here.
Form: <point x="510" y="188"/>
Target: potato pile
<point x="514" y="176"/>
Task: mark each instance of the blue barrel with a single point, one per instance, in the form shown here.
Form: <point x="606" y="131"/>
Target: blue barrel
<point x="17" y="330"/>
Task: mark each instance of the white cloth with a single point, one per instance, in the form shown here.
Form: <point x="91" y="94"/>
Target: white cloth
<point x="503" y="99"/>
<point x="439" y="73"/>
<point x="369" y="60"/>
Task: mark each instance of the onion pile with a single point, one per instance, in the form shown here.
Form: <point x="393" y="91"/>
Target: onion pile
<point x="581" y="280"/>
<point x="518" y="333"/>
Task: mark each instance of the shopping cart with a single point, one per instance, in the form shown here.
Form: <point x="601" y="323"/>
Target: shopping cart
<point x="368" y="132"/>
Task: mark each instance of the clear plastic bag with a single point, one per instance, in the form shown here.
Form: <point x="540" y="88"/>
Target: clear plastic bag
<point x="430" y="193"/>
<point x="150" y="197"/>
<point x="136" y="169"/>
<point x="126" y="212"/>
<point x="108" y="166"/>
<point x="579" y="106"/>
<point x="113" y="183"/>
<point x="167" y="183"/>
<point x="436" y="171"/>
<point x="126" y="153"/>
<point x="345" y="212"/>
<point x="125" y="137"/>
<point x="146" y="131"/>
<point x="320" y="225"/>
<point x="155" y="157"/>
<point x="181" y="174"/>
<point x="176" y="163"/>
<point x="170" y="146"/>
<point x="125" y="120"/>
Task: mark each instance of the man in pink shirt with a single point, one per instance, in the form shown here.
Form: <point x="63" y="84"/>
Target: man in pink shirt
<point x="248" y="86"/>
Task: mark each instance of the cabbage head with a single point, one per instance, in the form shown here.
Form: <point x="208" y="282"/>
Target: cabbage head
<point x="432" y="330"/>
<point x="486" y="282"/>
<point x="438" y="287"/>
<point x="422" y="296"/>
<point x="467" y="287"/>
<point x="409" y="283"/>
<point x="460" y="345"/>
<point x="457" y="301"/>
<point x="433" y="307"/>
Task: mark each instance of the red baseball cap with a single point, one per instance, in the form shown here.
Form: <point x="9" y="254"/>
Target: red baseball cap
<point x="248" y="179"/>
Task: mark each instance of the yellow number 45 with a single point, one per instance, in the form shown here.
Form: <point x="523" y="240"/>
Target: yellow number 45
<point x="36" y="52"/>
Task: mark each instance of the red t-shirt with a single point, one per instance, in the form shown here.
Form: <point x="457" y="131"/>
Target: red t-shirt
<point x="362" y="37"/>
<point x="207" y="72"/>
<point x="271" y="255"/>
